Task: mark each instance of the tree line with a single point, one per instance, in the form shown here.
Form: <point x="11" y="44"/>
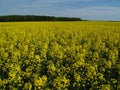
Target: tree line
<point x="14" y="18"/>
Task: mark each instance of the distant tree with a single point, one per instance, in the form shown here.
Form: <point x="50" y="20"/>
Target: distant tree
<point x="14" y="18"/>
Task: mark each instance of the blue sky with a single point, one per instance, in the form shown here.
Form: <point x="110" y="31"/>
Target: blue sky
<point x="85" y="9"/>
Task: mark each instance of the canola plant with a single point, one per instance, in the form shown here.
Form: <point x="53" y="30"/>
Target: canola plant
<point x="60" y="55"/>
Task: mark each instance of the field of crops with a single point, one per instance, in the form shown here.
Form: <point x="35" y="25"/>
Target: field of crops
<point x="60" y="56"/>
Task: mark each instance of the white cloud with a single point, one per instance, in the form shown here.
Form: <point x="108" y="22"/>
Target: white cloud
<point x="100" y="12"/>
<point x="57" y="1"/>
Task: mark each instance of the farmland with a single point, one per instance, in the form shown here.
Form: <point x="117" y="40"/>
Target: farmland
<point x="60" y="55"/>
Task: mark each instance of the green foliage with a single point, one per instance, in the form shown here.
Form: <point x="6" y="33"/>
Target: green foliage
<point x="16" y="18"/>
